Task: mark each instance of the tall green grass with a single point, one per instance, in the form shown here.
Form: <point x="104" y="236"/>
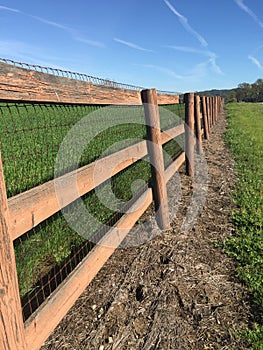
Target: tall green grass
<point x="244" y="136"/>
<point x="31" y="135"/>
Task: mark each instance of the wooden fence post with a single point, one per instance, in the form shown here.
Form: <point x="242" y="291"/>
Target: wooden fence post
<point x="11" y="320"/>
<point x="220" y="104"/>
<point x="198" y="124"/>
<point x="212" y="111"/>
<point x="215" y="108"/>
<point x="154" y="147"/>
<point x="223" y="104"/>
<point x="205" y="117"/>
<point x="215" y="113"/>
<point x="208" y="113"/>
<point x="189" y="133"/>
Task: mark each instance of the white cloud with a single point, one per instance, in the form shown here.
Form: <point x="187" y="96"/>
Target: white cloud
<point x="256" y="62"/>
<point x="31" y="54"/>
<point x="9" y="9"/>
<point x="186" y="25"/>
<point x="191" y="50"/>
<point x="51" y="23"/>
<point x="212" y="56"/>
<point x="215" y="66"/>
<point x="131" y="45"/>
<point x="245" y="8"/>
<point x="18" y="50"/>
<point x="89" y="42"/>
<point x="74" y="34"/>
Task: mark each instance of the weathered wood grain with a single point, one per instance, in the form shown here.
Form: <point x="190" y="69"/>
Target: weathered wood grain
<point x="11" y="321"/>
<point x="204" y="109"/>
<point x="47" y="317"/>
<point x="155" y="151"/>
<point x="30" y="208"/>
<point x="198" y="123"/>
<point x="173" y="168"/>
<point x="189" y="133"/>
<point x="20" y="84"/>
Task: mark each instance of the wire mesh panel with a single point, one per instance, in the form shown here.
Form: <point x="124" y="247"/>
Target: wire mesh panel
<point x="32" y="137"/>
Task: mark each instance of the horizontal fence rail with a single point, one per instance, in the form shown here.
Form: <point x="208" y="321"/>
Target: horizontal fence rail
<point x="27" y="326"/>
<point x="18" y="83"/>
<point x="29" y="208"/>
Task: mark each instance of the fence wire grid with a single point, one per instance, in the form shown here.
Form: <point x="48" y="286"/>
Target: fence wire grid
<point x="31" y="136"/>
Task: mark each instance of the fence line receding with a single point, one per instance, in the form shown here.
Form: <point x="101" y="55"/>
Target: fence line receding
<point x="51" y="263"/>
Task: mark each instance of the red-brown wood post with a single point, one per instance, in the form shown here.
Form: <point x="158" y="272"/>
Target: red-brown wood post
<point x="155" y="150"/>
<point x="215" y="113"/>
<point x="11" y="320"/>
<point x="208" y="112"/>
<point x="220" y="105"/>
<point x="212" y="111"/>
<point x="189" y="133"/>
<point x="205" y="119"/>
<point x="198" y="124"/>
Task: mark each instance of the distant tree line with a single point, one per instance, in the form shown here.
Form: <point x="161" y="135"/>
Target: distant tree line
<point x="245" y="92"/>
<point x="250" y="92"/>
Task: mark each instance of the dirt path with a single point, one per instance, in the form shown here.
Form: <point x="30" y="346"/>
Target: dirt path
<point x="178" y="291"/>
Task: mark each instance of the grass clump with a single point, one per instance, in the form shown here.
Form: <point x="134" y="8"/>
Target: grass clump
<point x="244" y="138"/>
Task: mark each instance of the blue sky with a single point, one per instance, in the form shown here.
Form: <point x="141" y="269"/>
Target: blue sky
<point x="174" y="45"/>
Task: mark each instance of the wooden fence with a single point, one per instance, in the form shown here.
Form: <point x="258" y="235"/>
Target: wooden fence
<point x="20" y="213"/>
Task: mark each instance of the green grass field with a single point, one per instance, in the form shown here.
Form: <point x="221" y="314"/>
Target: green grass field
<point x="244" y="136"/>
<point x="30" y="139"/>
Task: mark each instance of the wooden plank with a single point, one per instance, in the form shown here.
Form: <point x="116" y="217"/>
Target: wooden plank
<point x="48" y="316"/>
<point x="168" y="135"/>
<point x="11" y="321"/>
<point x="20" y="84"/>
<point x="165" y="99"/>
<point x="189" y="133"/>
<point x="174" y="167"/>
<point x="30" y="208"/>
<point x="155" y="151"/>
<point x="198" y="123"/>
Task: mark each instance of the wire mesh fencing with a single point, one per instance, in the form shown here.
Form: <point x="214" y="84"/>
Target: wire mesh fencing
<point x="31" y="139"/>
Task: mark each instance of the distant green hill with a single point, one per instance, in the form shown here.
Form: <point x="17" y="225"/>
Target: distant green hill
<point x="228" y="94"/>
<point x="245" y="92"/>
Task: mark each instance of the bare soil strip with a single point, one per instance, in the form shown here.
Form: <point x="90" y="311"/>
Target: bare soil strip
<point x="177" y="291"/>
